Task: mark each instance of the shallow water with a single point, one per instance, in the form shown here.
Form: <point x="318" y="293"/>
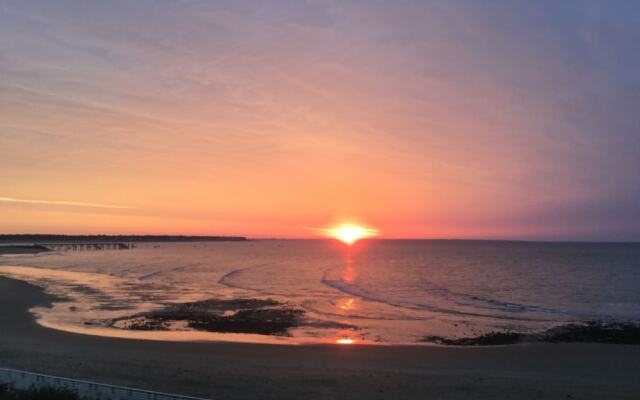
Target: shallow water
<point x="390" y="291"/>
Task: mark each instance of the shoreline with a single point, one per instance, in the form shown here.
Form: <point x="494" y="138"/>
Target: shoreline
<point x="155" y="325"/>
<point x="196" y="336"/>
<point x="243" y="370"/>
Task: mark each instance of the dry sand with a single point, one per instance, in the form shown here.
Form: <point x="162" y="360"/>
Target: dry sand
<point x="253" y="371"/>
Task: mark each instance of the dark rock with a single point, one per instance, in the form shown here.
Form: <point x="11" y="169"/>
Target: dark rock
<point x="588" y="332"/>
<point x="260" y="316"/>
<point x="594" y="332"/>
<point x="488" y="339"/>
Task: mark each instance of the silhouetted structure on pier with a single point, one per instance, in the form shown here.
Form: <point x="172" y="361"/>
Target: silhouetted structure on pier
<point x="86" y="246"/>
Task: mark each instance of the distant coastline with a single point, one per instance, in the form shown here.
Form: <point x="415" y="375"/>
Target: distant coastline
<point x="44" y="238"/>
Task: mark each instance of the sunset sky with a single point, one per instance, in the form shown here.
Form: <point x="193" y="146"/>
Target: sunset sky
<point x="425" y="119"/>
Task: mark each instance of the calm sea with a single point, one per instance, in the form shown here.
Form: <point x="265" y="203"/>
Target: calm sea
<point x="388" y="291"/>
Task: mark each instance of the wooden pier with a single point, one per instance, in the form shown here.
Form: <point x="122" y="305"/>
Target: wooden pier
<point x="87" y="246"/>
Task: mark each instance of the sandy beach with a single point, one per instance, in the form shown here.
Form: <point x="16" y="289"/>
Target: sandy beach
<point x="249" y="371"/>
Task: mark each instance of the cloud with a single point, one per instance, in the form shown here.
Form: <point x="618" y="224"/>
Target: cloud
<point x="62" y="203"/>
<point x="420" y="111"/>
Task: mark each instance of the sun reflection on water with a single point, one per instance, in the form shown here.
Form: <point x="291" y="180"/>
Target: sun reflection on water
<point x="347" y="303"/>
<point x="348" y="274"/>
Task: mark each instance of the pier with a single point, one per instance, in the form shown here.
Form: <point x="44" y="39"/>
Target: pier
<point x="87" y="246"/>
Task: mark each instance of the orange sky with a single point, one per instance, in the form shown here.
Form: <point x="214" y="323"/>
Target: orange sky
<point x="421" y="120"/>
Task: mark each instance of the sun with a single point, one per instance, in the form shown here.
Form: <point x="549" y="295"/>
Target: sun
<point x="350" y="234"/>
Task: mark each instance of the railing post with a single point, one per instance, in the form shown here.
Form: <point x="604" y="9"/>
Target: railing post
<point x="87" y="389"/>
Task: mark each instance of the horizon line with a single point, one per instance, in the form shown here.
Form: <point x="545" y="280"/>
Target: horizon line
<point x="329" y="238"/>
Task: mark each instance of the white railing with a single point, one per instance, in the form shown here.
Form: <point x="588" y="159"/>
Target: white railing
<point x="92" y="390"/>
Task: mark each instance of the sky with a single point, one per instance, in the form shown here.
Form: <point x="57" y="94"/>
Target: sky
<point x="422" y="119"/>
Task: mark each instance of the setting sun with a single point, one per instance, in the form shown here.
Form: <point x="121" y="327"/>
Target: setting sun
<point x="349" y="234"/>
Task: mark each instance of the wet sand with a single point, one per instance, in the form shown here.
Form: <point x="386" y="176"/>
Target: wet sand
<point x="252" y="371"/>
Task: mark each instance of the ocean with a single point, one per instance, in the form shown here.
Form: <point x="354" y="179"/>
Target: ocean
<point x="376" y="291"/>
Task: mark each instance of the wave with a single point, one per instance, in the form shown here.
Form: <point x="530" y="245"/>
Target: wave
<point x="229" y="280"/>
<point x="472" y="301"/>
<point x="360" y="316"/>
<point x="517" y="307"/>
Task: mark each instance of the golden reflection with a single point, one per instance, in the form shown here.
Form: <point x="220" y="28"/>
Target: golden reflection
<point x="348" y="274"/>
<point x="346" y="337"/>
<point x="347" y="303"/>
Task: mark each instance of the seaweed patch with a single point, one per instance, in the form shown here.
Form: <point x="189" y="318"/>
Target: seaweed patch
<point x="266" y="317"/>
<point x="588" y="332"/>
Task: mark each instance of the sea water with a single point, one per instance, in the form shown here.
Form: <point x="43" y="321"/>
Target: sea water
<point x="376" y="291"/>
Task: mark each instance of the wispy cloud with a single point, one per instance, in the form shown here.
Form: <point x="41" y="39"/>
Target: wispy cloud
<point x="61" y="203"/>
<point x="427" y="117"/>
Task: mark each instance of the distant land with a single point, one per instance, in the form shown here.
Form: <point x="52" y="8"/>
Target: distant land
<point x="49" y="238"/>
